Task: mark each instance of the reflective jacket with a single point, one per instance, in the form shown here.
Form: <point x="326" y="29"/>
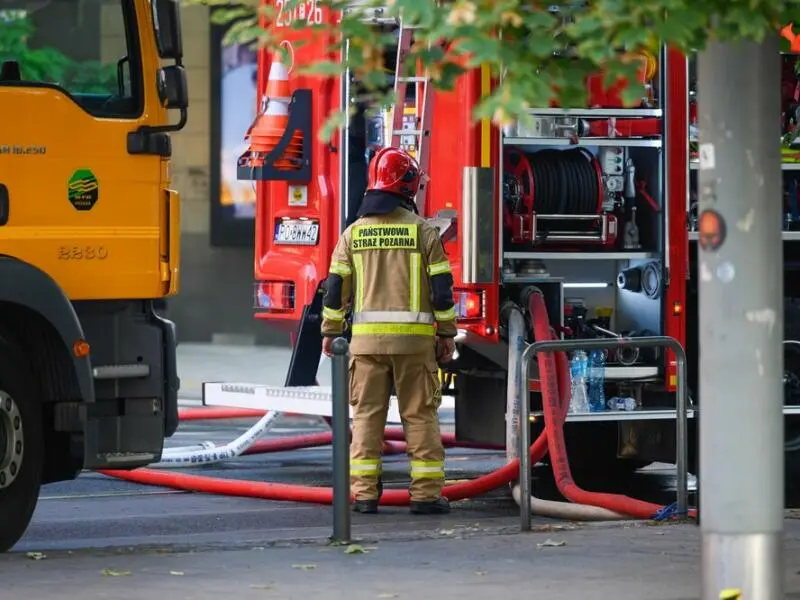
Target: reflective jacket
<point x="390" y="269"/>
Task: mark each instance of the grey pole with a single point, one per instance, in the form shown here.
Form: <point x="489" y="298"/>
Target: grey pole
<point x="341" y="441"/>
<point x="522" y="392"/>
<point x="740" y="272"/>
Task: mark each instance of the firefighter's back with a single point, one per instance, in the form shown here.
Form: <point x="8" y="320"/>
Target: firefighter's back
<point x="392" y="312"/>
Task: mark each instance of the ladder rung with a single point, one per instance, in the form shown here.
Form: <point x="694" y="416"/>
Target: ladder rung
<point x="412" y="79"/>
<point x="408" y="132"/>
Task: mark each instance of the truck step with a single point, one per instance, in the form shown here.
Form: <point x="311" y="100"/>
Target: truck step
<point x="302" y="400"/>
<point x="132" y="371"/>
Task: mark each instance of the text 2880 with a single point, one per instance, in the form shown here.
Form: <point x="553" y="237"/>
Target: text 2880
<point x="82" y="253"/>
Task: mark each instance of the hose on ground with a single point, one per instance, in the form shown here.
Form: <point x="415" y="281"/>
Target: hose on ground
<point x="209" y="454"/>
<point x="554" y="375"/>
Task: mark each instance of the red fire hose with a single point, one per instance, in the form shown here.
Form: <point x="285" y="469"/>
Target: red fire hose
<point x="554" y="426"/>
<point x="555" y="390"/>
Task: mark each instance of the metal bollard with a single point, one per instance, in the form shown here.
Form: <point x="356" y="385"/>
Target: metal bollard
<point x="341" y="441"/>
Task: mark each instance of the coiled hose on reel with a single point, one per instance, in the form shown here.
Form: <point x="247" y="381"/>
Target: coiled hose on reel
<point x="556" y="182"/>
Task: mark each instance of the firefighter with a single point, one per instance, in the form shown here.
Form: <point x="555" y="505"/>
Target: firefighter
<point x="390" y="270"/>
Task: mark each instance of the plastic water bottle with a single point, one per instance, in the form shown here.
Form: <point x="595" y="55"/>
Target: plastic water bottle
<point x="625" y="403"/>
<point x="596" y="379"/>
<point x="578" y="401"/>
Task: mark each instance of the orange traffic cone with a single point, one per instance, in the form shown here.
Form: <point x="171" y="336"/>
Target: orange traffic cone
<point x="790" y="36"/>
<point x="272" y="120"/>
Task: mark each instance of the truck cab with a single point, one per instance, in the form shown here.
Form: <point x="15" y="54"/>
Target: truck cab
<point x="89" y="240"/>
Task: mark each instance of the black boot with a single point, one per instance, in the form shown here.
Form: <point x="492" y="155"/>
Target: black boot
<point x="369" y="507"/>
<point x="434" y="507"/>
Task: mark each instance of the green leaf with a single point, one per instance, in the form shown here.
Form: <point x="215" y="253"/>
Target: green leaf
<point x="335" y="121"/>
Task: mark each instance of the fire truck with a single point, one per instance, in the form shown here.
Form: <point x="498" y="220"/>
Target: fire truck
<point x="593" y="207"/>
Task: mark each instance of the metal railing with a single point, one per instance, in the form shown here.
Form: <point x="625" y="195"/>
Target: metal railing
<point x="682" y="409"/>
<point x="340" y="426"/>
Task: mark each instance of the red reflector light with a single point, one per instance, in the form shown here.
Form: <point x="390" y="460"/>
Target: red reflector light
<point x="469" y="305"/>
<point x="274" y="296"/>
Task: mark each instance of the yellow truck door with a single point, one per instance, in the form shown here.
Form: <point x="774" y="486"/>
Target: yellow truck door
<point x="77" y="198"/>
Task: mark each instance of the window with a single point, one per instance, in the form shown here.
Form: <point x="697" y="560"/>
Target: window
<point x="88" y="48"/>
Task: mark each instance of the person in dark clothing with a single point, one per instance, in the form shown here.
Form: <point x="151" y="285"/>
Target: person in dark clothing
<point x="357" y="162"/>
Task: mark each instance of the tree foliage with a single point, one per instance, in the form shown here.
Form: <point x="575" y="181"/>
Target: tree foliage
<point x="537" y="53"/>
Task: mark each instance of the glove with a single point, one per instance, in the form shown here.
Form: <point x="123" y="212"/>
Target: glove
<point x="327" y="346"/>
<point x="445" y="349"/>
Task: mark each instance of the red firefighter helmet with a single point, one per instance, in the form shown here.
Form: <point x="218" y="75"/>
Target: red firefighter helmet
<point x="394" y="170"/>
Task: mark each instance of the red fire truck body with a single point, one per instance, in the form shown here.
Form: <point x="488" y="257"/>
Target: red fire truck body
<point x="514" y="213"/>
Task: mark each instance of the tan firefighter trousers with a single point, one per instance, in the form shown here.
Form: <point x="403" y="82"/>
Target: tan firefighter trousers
<point x="419" y="393"/>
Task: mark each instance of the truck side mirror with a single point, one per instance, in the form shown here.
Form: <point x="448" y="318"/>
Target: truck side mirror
<point x="172" y="87"/>
<point x="167" y="25"/>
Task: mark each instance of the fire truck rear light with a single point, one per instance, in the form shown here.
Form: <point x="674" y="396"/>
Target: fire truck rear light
<point x="677" y="308"/>
<point x="468" y="305"/>
<point x="274" y="296"/>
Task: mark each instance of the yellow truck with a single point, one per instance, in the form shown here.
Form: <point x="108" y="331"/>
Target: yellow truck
<point x="89" y="240"/>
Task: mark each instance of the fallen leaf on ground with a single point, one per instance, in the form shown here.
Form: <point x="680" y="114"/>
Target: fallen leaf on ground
<point x="176" y="573"/>
<point x="36" y="555"/>
<point x="355" y="549"/>
<point x="261" y="586"/>
<point x="115" y="573"/>
<point x="481" y="573"/>
<point x="551" y="544"/>
<point x="446" y="531"/>
<point x="307" y="567"/>
<point x="388" y="596"/>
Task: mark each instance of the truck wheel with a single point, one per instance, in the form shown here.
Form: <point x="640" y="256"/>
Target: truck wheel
<point x="21" y="446"/>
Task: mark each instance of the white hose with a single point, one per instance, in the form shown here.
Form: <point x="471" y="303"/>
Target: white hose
<point x="514" y="399"/>
<point x="568" y="510"/>
<point x="208" y="453"/>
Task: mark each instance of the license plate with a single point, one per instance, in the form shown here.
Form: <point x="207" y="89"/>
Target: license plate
<point x="297" y="232"/>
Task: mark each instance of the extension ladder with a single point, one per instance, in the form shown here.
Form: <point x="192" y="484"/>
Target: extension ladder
<point x="423" y="102"/>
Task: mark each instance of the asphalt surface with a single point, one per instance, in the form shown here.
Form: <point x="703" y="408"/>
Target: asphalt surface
<point x="620" y="563"/>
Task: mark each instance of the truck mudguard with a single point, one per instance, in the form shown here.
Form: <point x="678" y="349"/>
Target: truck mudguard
<point x="27" y="285"/>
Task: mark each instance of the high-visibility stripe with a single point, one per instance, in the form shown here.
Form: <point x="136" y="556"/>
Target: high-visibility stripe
<point x="393" y="316"/>
<point x="358" y="263"/>
<point x="413" y="282"/>
<point x="332" y="314"/>
<point x="365" y="466"/>
<point x="392" y="329"/>
<point x="400" y="236"/>
<point x="445" y="315"/>
<point x="340" y="269"/>
<point x="427" y="469"/>
<point x="439" y="268"/>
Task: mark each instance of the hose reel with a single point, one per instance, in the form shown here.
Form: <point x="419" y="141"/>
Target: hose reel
<point x="556" y="196"/>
